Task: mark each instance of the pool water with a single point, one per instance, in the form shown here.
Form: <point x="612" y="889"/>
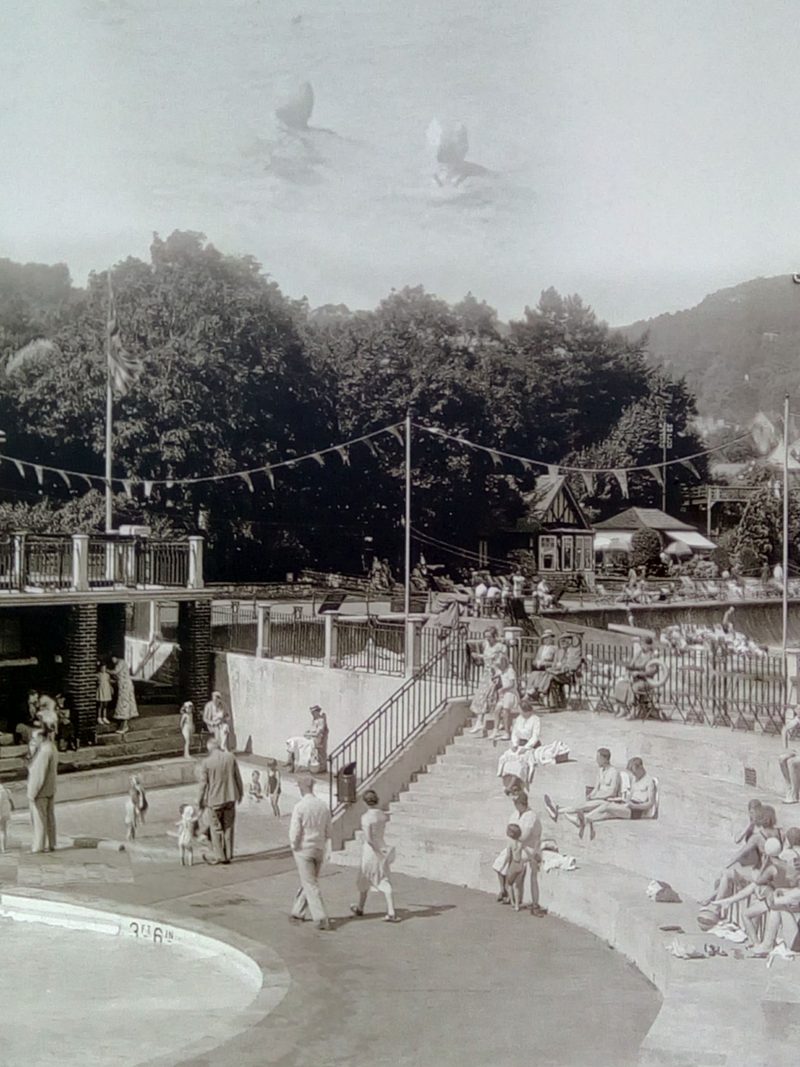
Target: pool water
<point x="84" y="999"/>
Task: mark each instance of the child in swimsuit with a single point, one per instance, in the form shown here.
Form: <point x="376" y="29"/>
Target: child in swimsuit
<point x="274" y="786"/>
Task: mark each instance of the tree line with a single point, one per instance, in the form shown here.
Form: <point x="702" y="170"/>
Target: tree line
<point x="235" y="374"/>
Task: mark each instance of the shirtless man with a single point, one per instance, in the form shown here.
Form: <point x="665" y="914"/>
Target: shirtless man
<point x="608" y="784"/>
<point x="639" y="802"/>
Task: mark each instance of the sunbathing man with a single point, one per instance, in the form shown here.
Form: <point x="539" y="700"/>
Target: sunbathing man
<point x="607" y="785"/>
<point x="745" y="865"/>
<point x="773" y="891"/>
<point x="789" y="761"/>
<point x="638" y="802"/>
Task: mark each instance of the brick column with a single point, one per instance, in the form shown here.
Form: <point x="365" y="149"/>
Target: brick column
<point x="81" y="668"/>
<point x="194" y="638"/>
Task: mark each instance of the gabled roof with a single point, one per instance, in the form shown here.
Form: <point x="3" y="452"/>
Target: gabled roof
<point x="643" y="519"/>
<point x="553" y="502"/>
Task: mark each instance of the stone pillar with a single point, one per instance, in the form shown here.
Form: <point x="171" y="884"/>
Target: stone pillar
<point x="331" y="639"/>
<point x="413" y="646"/>
<point x="81" y="667"/>
<point x="19" y="576"/>
<point x="80" y="562"/>
<point x="263" y="631"/>
<point x="194" y="639"/>
<point x="195" y="563"/>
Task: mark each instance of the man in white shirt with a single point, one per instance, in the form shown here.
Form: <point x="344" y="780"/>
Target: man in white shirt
<point x="309" y="833"/>
<point x="608" y="784"/>
<point x="531" y="839"/>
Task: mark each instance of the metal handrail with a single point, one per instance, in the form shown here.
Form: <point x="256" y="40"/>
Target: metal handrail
<point x="400" y="718"/>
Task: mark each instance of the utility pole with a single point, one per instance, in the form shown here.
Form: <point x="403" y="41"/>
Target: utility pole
<point x="666" y="442"/>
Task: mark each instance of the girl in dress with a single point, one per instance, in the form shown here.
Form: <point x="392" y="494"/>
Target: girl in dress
<point x="255" y="792"/>
<point x="518" y="760"/>
<point x="274" y="786"/>
<point x="125" y="709"/>
<point x="483" y="703"/>
<point x="187" y="728"/>
<point x="104" y="694"/>
<point x="187" y="832"/>
<point x="376" y="859"/>
<point x="508" y="704"/>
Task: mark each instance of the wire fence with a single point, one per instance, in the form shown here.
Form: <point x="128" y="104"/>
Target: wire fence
<point x="374" y="647"/>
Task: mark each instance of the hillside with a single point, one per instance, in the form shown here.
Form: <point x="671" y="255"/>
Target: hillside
<point x="739" y="348"/>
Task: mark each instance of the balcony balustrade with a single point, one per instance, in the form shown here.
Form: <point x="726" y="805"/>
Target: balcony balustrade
<point x="81" y="563"/>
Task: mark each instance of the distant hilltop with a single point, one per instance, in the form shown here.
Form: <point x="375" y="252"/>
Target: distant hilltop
<point x="739" y="348"/>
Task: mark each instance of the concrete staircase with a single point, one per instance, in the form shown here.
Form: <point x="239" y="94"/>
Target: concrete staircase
<point x="450" y="823"/>
<point x="155" y="734"/>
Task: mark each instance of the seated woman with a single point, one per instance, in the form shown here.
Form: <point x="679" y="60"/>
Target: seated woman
<point x="517" y="762"/>
<point x="526" y="751"/>
<point x="566" y="665"/>
<point x="744" y="866"/>
<point x="537" y="682"/>
<point x="310" y="750"/>
<point x="641" y="670"/>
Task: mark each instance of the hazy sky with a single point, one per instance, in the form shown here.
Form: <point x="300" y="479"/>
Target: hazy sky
<point x="644" y="153"/>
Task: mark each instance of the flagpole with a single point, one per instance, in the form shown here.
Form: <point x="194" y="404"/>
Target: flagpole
<point x="109" y="415"/>
<point x="785" y="606"/>
<point x="407" y="597"/>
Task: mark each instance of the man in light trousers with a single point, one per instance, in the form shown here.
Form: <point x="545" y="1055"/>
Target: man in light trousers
<point x="42" y="774"/>
<point x="309" y="834"/>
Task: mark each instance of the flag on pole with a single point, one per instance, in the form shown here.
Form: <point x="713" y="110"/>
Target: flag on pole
<point x="123" y="368"/>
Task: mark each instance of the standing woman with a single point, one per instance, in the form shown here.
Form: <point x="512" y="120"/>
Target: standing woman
<point x="376" y="859"/>
<point x="508" y="702"/>
<point x="187" y="728"/>
<point x="483" y="703"/>
<point x="125" y="708"/>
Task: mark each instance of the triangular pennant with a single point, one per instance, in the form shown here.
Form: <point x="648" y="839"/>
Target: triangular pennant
<point x="248" y="481"/>
<point x="622" y="478"/>
<point x="128" y="487"/>
<point x="65" y="476"/>
<point x="368" y="442"/>
<point x="687" y="463"/>
<point x="39" y="474"/>
<point x="588" y="481"/>
<point x="656" y="472"/>
<point x="19" y="467"/>
<point x="495" y="457"/>
<point x="319" y="458"/>
<point x="342" y="450"/>
<point x="395" y="432"/>
<point x="552" y="470"/>
<point x="169" y="483"/>
<point x="148" y="489"/>
<point x="434" y="430"/>
<point x="270" y="475"/>
<point x="527" y="465"/>
<point x="87" y="479"/>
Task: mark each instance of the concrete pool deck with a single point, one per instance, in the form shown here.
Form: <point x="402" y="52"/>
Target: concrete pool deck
<point x="460" y="980"/>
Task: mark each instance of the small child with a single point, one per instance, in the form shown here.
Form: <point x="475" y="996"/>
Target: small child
<point x="274" y="786"/>
<point x="104" y="694"/>
<point x="135" y="807"/>
<point x="516" y="863"/>
<point x="187" y="831"/>
<point x="187" y="728"/>
<point x="255" y="792"/>
<point x="6" y="807"/>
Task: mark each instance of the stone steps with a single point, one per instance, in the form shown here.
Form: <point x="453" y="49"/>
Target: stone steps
<point x="113" y="780"/>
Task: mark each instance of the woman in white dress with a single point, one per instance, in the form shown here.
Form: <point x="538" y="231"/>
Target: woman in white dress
<point x="518" y="760"/>
<point x="125" y="708"/>
<point x="508" y="704"/>
<point x="483" y="703"/>
<point x="376" y="859"/>
<point x="187" y="728"/>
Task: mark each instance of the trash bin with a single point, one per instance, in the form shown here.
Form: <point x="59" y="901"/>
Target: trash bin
<point x="346" y="784"/>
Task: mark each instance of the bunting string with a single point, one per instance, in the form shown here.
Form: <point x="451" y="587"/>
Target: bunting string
<point x="268" y="469"/>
